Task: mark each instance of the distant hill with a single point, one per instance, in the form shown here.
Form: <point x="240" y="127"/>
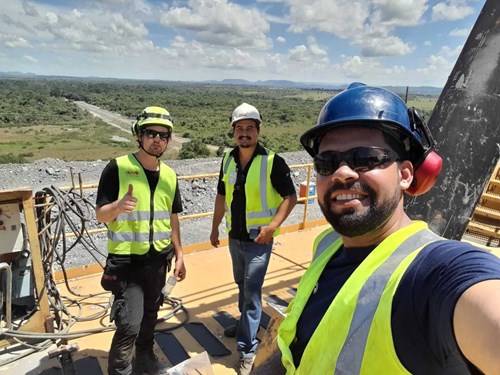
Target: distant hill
<point x="413" y="90"/>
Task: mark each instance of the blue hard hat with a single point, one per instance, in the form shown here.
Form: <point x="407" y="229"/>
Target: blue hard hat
<point x="372" y="107"/>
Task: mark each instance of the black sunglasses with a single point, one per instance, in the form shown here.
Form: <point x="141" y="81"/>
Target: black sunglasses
<point x="151" y="134"/>
<point x="359" y="159"/>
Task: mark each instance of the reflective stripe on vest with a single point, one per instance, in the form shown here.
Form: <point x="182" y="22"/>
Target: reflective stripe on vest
<point x="148" y="225"/>
<point x="143" y="215"/>
<point x="354" y="336"/>
<point x="325" y="242"/>
<point x="351" y="357"/>
<point x="261" y="211"/>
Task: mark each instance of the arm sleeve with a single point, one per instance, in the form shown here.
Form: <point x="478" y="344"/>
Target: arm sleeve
<point x="177" y="203"/>
<point x="221" y="188"/>
<point x="281" y="178"/>
<point x="432" y="286"/>
<point x="107" y="191"/>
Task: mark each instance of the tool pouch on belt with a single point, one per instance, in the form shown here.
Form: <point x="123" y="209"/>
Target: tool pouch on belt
<point x="114" y="277"/>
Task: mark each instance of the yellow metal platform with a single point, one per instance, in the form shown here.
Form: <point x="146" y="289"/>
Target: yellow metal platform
<point x="208" y="289"/>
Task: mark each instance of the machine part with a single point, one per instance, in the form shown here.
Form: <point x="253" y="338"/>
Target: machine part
<point x="8" y="294"/>
<point x="464" y="124"/>
<point x="23" y="298"/>
<point x="63" y="354"/>
<point x="11" y="233"/>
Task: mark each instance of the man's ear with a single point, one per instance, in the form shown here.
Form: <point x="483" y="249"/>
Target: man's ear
<point x="406" y="174"/>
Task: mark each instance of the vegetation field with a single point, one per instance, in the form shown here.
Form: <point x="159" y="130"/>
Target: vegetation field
<point x="38" y="116"/>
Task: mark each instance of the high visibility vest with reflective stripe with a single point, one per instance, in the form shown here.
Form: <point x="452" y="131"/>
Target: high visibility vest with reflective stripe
<point x="149" y="223"/>
<point x="354" y="336"/>
<point x="262" y="200"/>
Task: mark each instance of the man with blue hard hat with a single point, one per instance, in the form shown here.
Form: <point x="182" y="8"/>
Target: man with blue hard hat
<point x="384" y="294"/>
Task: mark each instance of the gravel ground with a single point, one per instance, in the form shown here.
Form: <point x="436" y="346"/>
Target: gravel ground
<point x="197" y="196"/>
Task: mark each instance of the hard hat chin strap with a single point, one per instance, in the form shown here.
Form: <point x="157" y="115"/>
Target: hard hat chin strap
<point x="149" y="153"/>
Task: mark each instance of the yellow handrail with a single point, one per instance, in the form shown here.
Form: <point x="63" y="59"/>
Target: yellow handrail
<point x="304" y="200"/>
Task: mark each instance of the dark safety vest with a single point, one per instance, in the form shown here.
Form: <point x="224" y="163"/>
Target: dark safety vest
<point x="354" y="336"/>
<point x="262" y="200"/>
<point x="149" y="223"/>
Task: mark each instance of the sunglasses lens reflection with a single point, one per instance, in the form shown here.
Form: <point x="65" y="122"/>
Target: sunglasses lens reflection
<point x="153" y="133"/>
<point x="360" y="159"/>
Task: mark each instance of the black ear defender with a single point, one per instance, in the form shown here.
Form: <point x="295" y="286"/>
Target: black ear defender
<point x="428" y="167"/>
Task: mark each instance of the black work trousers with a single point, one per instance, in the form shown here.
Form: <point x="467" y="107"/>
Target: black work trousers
<point x="135" y="311"/>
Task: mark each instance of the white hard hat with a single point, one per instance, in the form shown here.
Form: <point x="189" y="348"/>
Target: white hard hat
<point x="245" y="111"/>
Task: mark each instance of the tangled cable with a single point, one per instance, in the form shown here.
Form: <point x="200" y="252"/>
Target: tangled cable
<point x="63" y="221"/>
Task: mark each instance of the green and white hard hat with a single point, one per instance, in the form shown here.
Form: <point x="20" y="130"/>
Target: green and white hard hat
<point x="153" y="116"/>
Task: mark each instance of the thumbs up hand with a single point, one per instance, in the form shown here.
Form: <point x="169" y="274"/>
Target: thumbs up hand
<point x="128" y="202"/>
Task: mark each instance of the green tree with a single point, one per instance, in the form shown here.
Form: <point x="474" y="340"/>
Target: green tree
<point x="194" y="149"/>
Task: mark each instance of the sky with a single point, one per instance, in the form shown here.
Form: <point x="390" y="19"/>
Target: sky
<point x="377" y="42"/>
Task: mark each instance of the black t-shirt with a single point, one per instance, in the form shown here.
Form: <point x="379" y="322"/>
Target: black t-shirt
<point x="280" y="179"/>
<point x="422" y="308"/>
<point x="109" y="186"/>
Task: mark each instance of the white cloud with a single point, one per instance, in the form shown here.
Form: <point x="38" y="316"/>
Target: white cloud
<point x="326" y="40"/>
<point x="13" y="41"/>
<point x="29" y="9"/>
<point x="451" y="53"/>
<point x="313" y="52"/>
<point x="342" y="18"/>
<point x="436" y="64"/>
<point x="30" y="59"/>
<point x="384" y="46"/>
<point x="451" y="10"/>
<point x="460" y="32"/>
<point x="299" y="53"/>
<point x="356" y="67"/>
<point x="368" y="24"/>
<point x="315" y="48"/>
<point x="398" y="12"/>
<point x="221" y="23"/>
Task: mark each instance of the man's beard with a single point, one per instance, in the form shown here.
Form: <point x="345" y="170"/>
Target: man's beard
<point x="351" y="223"/>
<point x="245" y="142"/>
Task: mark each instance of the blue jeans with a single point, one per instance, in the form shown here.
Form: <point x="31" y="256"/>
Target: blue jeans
<point x="250" y="261"/>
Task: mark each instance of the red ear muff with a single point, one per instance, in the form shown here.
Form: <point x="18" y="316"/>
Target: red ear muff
<point x="426" y="174"/>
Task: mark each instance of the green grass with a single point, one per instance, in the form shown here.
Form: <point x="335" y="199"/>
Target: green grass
<point x="38" y="118"/>
<point x="90" y="141"/>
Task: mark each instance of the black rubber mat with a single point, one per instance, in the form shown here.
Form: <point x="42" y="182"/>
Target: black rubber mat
<point x="224" y="319"/>
<point x="52" y="371"/>
<point x="264" y="319"/>
<point x="205" y="338"/>
<point x="276" y="300"/>
<point x="86" y="365"/>
<point x="171" y="347"/>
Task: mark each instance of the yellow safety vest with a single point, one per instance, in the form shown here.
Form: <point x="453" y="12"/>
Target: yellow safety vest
<point x="354" y="336"/>
<point x="149" y="223"/>
<point x="262" y="200"/>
